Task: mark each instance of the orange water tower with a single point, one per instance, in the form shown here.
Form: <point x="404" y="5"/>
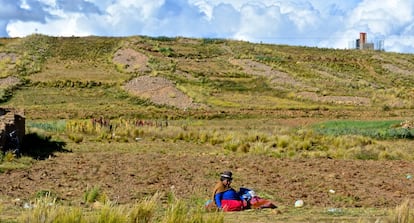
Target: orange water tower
<point x="362" y="39"/>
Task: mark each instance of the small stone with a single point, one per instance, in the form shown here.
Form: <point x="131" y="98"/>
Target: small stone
<point x="299" y="203"/>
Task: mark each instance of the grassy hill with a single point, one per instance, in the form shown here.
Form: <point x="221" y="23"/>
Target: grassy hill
<point x="114" y="120"/>
<point x="66" y="73"/>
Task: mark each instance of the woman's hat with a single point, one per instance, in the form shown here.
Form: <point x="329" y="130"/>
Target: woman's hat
<point x="227" y="175"/>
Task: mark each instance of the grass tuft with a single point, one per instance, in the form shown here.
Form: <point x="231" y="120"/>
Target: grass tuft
<point x="91" y="195"/>
<point x="46" y="209"/>
<point x="145" y="210"/>
<point x="401" y="214"/>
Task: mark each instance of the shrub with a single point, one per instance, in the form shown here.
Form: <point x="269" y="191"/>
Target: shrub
<point x="364" y="153"/>
<point x="144" y="211"/>
<point x="9" y="156"/>
<point x="46" y="210"/>
<point x="75" y="138"/>
<point x="91" y="195"/>
<point x="110" y="214"/>
<point x="232" y="145"/>
<point x="179" y="211"/>
<point x="215" y="139"/>
<point x="45" y="193"/>
<point x="244" y="147"/>
<point x="257" y="137"/>
<point x="258" y="148"/>
<point x="283" y="141"/>
<point x="203" y="137"/>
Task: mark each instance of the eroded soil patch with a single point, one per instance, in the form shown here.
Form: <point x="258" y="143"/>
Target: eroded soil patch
<point x="9" y="82"/>
<point x="277" y="78"/>
<point x="132" y="60"/>
<point x="160" y="91"/>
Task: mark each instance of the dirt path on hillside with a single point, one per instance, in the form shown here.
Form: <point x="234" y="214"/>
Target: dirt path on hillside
<point x="126" y="177"/>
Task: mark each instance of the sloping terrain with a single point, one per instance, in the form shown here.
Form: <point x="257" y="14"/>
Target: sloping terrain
<point x="219" y="74"/>
<point x="143" y="78"/>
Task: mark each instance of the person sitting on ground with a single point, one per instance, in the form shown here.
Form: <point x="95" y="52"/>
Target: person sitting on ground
<point x="225" y="198"/>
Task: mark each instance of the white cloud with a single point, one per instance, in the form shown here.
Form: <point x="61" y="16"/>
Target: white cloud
<point x="259" y="22"/>
<point x="322" y="23"/>
<point x="65" y="26"/>
<point x="225" y="21"/>
<point x="400" y="44"/>
<point x="384" y="18"/>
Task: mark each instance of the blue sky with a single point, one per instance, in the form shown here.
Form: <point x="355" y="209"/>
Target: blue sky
<point x="315" y="23"/>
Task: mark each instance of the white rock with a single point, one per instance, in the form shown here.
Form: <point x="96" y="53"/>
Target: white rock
<point x="299" y="203"/>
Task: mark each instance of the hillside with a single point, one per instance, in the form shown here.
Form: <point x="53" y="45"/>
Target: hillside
<point x="132" y="116"/>
<point x="172" y="75"/>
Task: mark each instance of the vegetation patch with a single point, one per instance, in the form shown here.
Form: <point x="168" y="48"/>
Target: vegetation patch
<point x="390" y="129"/>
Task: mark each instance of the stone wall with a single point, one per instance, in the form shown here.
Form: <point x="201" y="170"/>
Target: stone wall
<point x="12" y="125"/>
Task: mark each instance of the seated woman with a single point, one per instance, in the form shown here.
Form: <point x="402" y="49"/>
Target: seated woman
<point x="224" y="196"/>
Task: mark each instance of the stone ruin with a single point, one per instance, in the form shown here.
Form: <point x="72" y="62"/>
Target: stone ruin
<point x="12" y="129"/>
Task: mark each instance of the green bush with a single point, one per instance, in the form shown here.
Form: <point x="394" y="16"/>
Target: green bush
<point x="91" y="195"/>
<point x="76" y="138"/>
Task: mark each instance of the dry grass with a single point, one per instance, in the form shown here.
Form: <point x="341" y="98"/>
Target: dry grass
<point x="47" y="209"/>
<point x="79" y="71"/>
<point x="402" y="213"/>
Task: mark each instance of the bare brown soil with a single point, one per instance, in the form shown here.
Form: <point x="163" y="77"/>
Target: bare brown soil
<point x="9" y="82"/>
<point x="160" y="91"/>
<point x="132" y="60"/>
<point x="157" y="89"/>
<point x="126" y="177"/>
<point x="276" y="77"/>
<point x="339" y="100"/>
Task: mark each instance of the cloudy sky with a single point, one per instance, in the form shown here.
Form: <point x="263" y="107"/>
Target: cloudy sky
<point x="320" y="23"/>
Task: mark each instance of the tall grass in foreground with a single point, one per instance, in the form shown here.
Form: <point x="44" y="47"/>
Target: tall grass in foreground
<point x="144" y="211"/>
<point x="151" y="209"/>
<point x="183" y="212"/>
<point x="338" y="139"/>
<point x="48" y="210"/>
<point x="401" y="214"/>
